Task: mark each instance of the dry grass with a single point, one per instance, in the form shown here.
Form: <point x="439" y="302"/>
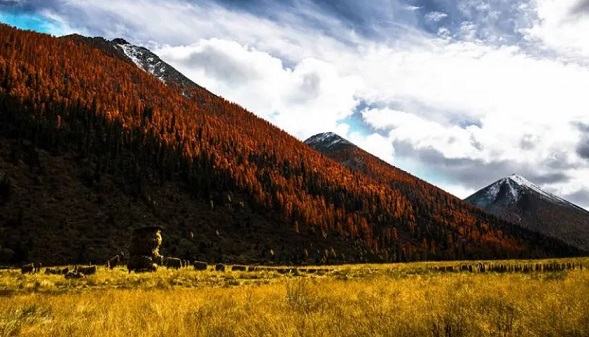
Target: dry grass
<point x="385" y="300"/>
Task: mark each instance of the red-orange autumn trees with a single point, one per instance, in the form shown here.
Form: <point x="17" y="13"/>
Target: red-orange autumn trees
<point x="64" y="93"/>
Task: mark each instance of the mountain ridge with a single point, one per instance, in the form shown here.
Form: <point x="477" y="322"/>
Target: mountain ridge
<point x="522" y="202"/>
<point x="419" y="191"/>
<point x="140" y="56"/>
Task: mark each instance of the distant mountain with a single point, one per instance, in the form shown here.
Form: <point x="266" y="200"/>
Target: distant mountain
<point x="520" y="201"/>
<point x="327" y="141"/>
<point x="95" y="140"/>
<point x="331" y="143"/>
<point x="432" y="205"/>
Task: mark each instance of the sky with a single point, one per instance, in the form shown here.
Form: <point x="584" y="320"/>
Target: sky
<point x="459" y="93"/>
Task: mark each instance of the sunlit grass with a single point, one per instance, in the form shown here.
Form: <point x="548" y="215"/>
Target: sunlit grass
<point x="359" y="300"/>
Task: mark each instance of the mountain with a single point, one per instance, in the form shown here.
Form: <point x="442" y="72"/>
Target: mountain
<point x="327" y="141"/>
<point x="140" y="56"/>
<point x="348" y="154"/>
<point x="520" y="201"/>
<point x="331" y="143"/>
<point x="92" y="145"/>
<point x="426" y="199"/>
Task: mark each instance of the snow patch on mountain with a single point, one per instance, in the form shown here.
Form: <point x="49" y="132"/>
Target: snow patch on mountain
<point x="144" y="59"/>
<point x="526" y="183"/>
<point x="514" y="193"/>
<point x="505" y="191"/>
<point x="491" y="193"/>
<point x="326" y="140"/>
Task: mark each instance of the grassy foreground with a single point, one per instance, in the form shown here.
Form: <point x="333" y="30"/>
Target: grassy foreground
<point x="366" y="300"/>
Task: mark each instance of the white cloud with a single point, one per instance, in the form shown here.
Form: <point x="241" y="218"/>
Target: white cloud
<point x="511" y="94"/>
<point x="458" y="190"/>
<point x="376" y="144"/>
<point x="452" y="142"/>
<point x="310" y="98"/>
<point x="562" y="29"/>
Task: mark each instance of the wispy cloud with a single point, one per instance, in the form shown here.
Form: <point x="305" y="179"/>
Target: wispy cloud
<point x="435" y="16"/>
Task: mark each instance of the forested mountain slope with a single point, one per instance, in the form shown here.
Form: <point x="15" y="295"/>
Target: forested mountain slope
<point x="428" y="201"/>
<point x="93" y="146"/>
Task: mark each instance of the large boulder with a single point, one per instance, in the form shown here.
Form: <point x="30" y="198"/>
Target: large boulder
<point x="144" y="249"/>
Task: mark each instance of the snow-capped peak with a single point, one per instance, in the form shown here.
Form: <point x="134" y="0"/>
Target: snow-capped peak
<point x="519" y="179"/>
<point x="509" y="190"/>
<point x="526" y="183"/>
<point x="326" y="140"/>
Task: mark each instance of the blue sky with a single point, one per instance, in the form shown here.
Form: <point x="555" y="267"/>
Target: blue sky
<point x="27" y="21"/>
<point x="460" y="93"/>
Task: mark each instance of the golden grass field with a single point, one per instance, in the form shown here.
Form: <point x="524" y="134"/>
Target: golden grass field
<point x="352" y="300"/>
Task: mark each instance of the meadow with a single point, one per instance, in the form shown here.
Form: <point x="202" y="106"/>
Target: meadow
<point x="412" y="299"/>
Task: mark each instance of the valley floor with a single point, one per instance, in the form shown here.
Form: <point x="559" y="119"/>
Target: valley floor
<point x="415" y="299"/>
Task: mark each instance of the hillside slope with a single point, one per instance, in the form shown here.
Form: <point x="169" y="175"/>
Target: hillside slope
<point x="93" y="146"/>
<point x="518" y="200"/>
<point x="429" y="201"/>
